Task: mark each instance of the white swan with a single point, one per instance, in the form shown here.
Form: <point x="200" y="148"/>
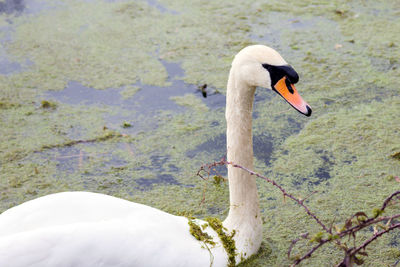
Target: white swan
<point x="89" y="229"/>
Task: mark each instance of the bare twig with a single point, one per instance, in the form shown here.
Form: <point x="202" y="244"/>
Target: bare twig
<point x="207" y="169"/>
<point x="387" y="200"/>
<point x="362" y="221"/>
<point x="105" y="137"/>
<point x="302" y="236"/>
<point x="309" y="253"/>
<point x="285" y="193"/>
<point x="367" y="223"/>
<point x="366" y="243"/>
<point x="351" y="253"/>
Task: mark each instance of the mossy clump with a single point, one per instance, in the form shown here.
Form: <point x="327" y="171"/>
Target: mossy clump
<point x="317" y="237"/>
<point x="396" y="155"/>
<point x="197" y="232"/>
<point x="377" y="212"/>
<point x="48" y="105"/>
<point x="218" y="179"/>
<point x="227" y="239"/>
<point x="6" y="105"/>
<point x="126" y="125"/>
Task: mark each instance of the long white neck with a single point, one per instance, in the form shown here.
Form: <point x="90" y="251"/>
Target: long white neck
<point x="244" y="212"/>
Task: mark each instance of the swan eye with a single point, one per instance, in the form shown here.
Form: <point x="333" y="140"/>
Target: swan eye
<point x="278" y="72"/>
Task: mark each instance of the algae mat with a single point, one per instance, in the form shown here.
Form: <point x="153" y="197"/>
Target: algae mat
<point x="103" y="96"/>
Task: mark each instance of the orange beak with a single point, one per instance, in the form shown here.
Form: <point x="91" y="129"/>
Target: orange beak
<point x="287" y="90"/>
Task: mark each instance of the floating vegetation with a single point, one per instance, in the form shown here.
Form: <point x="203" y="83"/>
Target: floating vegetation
<point x="396" y="155"/>
<point x="347" y="74"/>
<point x="126" y="125"/>
<point x="48" y="104"/>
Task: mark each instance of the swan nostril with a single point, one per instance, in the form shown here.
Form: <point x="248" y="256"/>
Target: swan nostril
<point x="289" y="86"/>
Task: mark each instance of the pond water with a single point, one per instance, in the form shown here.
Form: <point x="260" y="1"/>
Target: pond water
<point x="106" y="96"/>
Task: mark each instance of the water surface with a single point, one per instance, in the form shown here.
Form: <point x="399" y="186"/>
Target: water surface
<point x="104" y="96"/>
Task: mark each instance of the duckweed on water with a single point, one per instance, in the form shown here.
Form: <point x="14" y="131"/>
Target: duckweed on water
<point x="190" y="101"/>
<point x="129" y="91"/>
<point x="48" y="104"/>
<point x="346" y="52"/>
<point x="126" y="125"/>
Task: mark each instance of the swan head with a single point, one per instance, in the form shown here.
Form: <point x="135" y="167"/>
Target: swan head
<point x="262" y="66"/>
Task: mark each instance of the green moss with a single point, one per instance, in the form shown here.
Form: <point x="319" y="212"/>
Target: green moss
<point x="317" y="237"/>
<point x="48" y="105"/>
<point x="377" y="212"/>
<point x="199" y="234"/>
<point x="129" y="91"/>
<point x="7" y="105"/>
<point x="126" y="125"/>
<point x="396" y="155"/>
<point x="218" y="179"/>
<point x="262" y="258"/>
<point x="227" y="239"/>
<point x="190" y="101"/>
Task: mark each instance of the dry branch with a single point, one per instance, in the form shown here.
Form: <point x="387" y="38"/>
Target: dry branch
<point x="348" y="230"/>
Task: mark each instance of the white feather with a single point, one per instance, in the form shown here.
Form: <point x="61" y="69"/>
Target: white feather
<point x="89" y="229"/>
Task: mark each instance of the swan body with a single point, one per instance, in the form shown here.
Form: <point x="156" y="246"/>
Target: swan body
<point x="90" y="229"/>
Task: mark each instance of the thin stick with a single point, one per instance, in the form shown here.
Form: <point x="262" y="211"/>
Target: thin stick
<point x="309" y="253"/>
<point x="370" y="240"/>
<point x="349" y="253"/>
<point x="300" y="202"/>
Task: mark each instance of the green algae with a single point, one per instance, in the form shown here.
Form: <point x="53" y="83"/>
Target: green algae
<point x="48" y="104"/>
<point x="78" y="45"/>
<point x="129" y="91"/>
<point x="126" y="125"/>
<point x="27" y="132"/>
<point x="396" y="155"/>
<point x="218" y="179"/>
<point x="360" y="158"/>
<point x="263" y="256"/>
<point x="191" y="101"/>
<point x="106" y="44"/>
<point x="363" y="126"/>
<point x="199" y="234"/>
<point x="226" y="238"/>
<point x="352" y="88"/>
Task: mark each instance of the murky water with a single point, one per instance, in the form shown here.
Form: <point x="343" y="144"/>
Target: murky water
<point x="148" y="101"/>
<point x="12" y="6"/>
<point x="105" y="96"/>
